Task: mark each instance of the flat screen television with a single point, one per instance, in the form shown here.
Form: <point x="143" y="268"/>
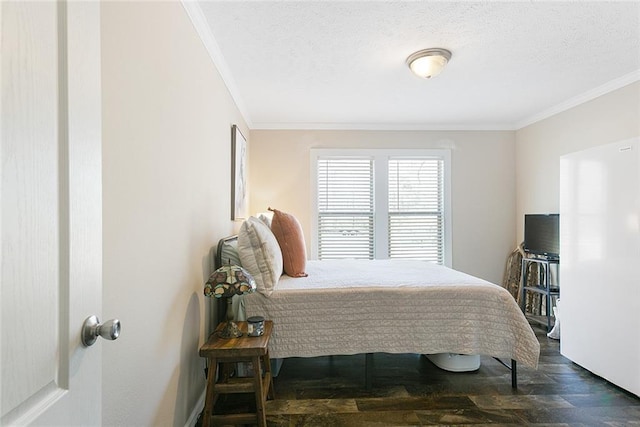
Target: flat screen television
<point x="542" y="235"/>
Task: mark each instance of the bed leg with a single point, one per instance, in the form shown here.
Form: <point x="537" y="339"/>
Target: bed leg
<point x="368" y="371"/>
<point x="514" y="374"/>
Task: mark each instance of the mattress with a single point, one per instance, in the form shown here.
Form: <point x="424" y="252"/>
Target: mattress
<point x="393" y="306"/>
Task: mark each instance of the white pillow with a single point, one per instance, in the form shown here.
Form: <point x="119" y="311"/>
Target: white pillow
<point x="260" y="254"/>
<point x="266" y="218"/>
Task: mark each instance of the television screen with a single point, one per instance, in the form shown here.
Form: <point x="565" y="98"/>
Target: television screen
<point x="542" y="234"/>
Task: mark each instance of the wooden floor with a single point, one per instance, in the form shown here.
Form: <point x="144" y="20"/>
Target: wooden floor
<point x="409" y="390"/>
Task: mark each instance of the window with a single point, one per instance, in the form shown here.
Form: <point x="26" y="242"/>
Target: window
<point x="345" y="207"/>
<point x="416" y="208"/>
<point x="381" y="204"/>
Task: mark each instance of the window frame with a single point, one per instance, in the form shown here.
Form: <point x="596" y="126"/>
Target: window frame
<point x="381" y="182"/>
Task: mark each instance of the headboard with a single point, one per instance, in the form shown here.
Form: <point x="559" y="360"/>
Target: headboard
<point x="227" y="251"/>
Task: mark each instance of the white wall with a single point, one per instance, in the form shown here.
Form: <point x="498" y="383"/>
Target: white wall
<point x="608" y="118"/>
<point x="167" y="120"/>
<point x="483" y="183"/>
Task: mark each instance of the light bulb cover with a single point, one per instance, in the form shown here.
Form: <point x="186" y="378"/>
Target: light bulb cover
<point x="428" y="63"/>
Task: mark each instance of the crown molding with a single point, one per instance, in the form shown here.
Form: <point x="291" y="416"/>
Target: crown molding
<point x="581" y="99"/>
<point x="202" y="28"/>
<point x="381" y="126"/>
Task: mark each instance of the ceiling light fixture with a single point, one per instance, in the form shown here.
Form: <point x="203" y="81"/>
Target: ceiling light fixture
<point x="428" y="63"/>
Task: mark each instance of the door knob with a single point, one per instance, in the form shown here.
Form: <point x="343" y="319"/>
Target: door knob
<point x="92" y="329"/>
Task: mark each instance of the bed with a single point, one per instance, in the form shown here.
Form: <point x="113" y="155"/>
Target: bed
<point x="389" y="306"/>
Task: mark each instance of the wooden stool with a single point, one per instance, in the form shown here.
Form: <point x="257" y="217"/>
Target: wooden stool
<point x="224" y="351"/>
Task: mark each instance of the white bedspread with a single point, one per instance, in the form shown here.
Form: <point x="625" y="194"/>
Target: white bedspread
<point x="393" y="306"/>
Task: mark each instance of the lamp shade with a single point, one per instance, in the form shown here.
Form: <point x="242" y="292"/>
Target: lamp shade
<point x="229" y="280"/>
<point x="428" y="63"/>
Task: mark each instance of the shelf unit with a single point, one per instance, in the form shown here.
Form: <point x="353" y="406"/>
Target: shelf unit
<point x="543" y="287"/>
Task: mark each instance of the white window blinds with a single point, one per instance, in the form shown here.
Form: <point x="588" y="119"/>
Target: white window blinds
<point x="416" y="208"/>
<point x="345" y="207"/>
<point x="381" y="204"/>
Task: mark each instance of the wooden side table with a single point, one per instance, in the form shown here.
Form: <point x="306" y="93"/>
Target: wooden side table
<point x="221" y="351"/>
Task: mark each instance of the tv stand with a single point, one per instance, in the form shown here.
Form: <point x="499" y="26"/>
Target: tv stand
<point x="542" y="287"/>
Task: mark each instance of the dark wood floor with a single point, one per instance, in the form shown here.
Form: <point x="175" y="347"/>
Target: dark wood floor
<point x="409" y="390"/>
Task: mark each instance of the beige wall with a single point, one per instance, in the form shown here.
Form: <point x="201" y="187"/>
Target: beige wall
<point x="483" y="183"/>
<point x="609" y="118"/>
<point x="167" y="120"/>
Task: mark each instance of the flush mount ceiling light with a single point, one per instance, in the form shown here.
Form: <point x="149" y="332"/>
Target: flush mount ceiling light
<point x="428" y="63"/>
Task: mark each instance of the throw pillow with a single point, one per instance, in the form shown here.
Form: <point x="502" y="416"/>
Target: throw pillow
<point x="260" y="254"/>
<point x="289" y="235"/>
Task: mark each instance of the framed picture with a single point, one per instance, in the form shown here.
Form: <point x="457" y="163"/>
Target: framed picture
<point x="238" y="174"/>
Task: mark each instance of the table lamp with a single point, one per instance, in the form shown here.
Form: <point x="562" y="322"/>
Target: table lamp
<point x="225" y="282"/>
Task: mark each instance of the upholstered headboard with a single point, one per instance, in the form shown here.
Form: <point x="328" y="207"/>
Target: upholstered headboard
<point x="227" y="251"/>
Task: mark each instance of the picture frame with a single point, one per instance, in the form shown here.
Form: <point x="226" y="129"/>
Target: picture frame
<point x="238" y="174"/>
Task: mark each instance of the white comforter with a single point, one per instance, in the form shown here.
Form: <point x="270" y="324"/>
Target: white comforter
<point x="393" y="306"/>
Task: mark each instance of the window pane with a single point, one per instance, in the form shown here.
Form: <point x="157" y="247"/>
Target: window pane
<point x="345" y="208"/>
<point x="416" y="236"/>
<point x="416" y="209"/>
<point x="345" y="236"/>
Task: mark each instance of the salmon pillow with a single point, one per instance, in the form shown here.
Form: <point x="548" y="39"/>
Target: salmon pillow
<point x="289" y="235"/>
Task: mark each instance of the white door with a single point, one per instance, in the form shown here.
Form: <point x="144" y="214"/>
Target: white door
<point x="50" y="192"/>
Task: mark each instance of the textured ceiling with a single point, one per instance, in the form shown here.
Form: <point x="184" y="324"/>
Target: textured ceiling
<point x="337" y="64"/>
